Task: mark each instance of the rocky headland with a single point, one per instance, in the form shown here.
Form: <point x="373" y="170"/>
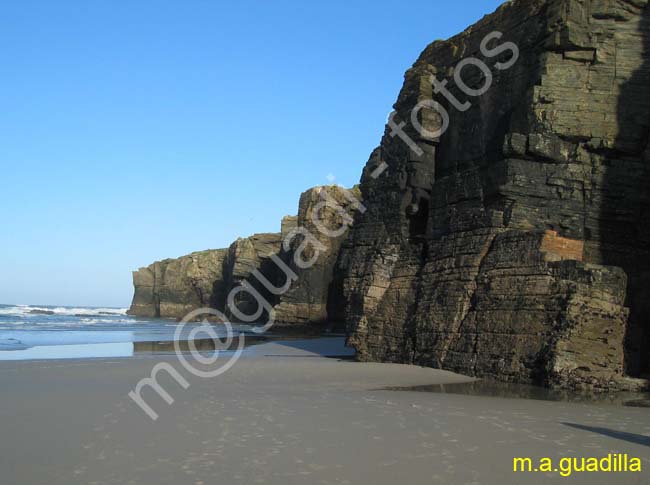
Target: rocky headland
<point x="172" y="288"/>
<point x="510" y="240"/>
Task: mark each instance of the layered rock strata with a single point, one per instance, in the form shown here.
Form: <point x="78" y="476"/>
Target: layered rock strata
<point x="506" y="221"/>
<point x="516" y="243"/>
<point x="245" y="256"/>
<point x="306" y="300"/>
<point x="174" y="287"/>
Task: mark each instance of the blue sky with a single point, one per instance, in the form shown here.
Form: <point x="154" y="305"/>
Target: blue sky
<point x="136" y="131"/>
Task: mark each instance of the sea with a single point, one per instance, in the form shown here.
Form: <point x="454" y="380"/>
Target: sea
<point x="59" y="332"/>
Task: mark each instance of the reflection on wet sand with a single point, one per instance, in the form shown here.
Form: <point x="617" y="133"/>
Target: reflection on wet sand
<point x="490" y="388"/>
<point x="208" y="345"/>
<point x="201" y="345"/>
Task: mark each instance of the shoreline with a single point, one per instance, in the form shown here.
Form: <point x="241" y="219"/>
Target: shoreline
<point x="286" y="414"/>
<point x="66" y="333"/>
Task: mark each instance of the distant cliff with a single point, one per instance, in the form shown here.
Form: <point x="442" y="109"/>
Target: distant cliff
<point x="174" y="287"/>
<point x="506" y="221"/>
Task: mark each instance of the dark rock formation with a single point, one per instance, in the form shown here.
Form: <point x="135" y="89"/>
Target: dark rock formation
<point x="174" y="287"/>
<point x="41" y="312"/>
<point x="515" y="244"/>
<point x="245" y="256"/>
<point x="306" y="300"/>
<point x="509" y="238"/>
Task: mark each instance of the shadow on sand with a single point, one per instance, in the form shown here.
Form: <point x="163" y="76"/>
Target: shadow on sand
<point x="637" y="439"/>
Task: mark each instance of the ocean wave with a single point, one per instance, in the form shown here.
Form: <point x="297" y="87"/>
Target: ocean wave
<point x="27" y="310"/>
<point x="112" y="321"/>
<point x="80" y="324"/>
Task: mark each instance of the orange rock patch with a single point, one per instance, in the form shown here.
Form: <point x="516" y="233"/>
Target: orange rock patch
<point x="557" y="247"/>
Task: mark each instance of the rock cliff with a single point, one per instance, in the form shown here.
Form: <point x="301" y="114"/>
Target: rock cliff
<point x="246" y="255"/>
<point x="506" y="221"/>
<point x="512" y="238"/>
<point x="306" y="300"/>
<point x="174" y="287"/>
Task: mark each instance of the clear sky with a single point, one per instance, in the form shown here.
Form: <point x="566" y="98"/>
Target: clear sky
<point x="133" y="131"/>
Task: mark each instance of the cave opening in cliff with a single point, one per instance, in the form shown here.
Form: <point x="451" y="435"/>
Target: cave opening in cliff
<point x="419" y="218"/>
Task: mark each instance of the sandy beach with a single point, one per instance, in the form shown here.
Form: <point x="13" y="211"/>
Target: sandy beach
<point x="286" y="414"/>
<point x="269" y="243"/>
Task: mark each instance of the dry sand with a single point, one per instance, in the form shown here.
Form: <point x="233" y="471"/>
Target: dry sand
<point x="286" y="415"/>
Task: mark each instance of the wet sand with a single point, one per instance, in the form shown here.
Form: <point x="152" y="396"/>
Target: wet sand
<point x="285" y="414"/>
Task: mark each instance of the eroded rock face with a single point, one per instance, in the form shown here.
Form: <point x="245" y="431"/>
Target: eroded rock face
<point x="306" y="300"/>
<point x="515" y="245"/>
<point x="174" y="287"/>
<point x="246" y="255"/>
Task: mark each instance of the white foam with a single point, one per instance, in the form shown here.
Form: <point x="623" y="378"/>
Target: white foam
<point x="93" y="321"/>
<point x="70" y="311"/>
